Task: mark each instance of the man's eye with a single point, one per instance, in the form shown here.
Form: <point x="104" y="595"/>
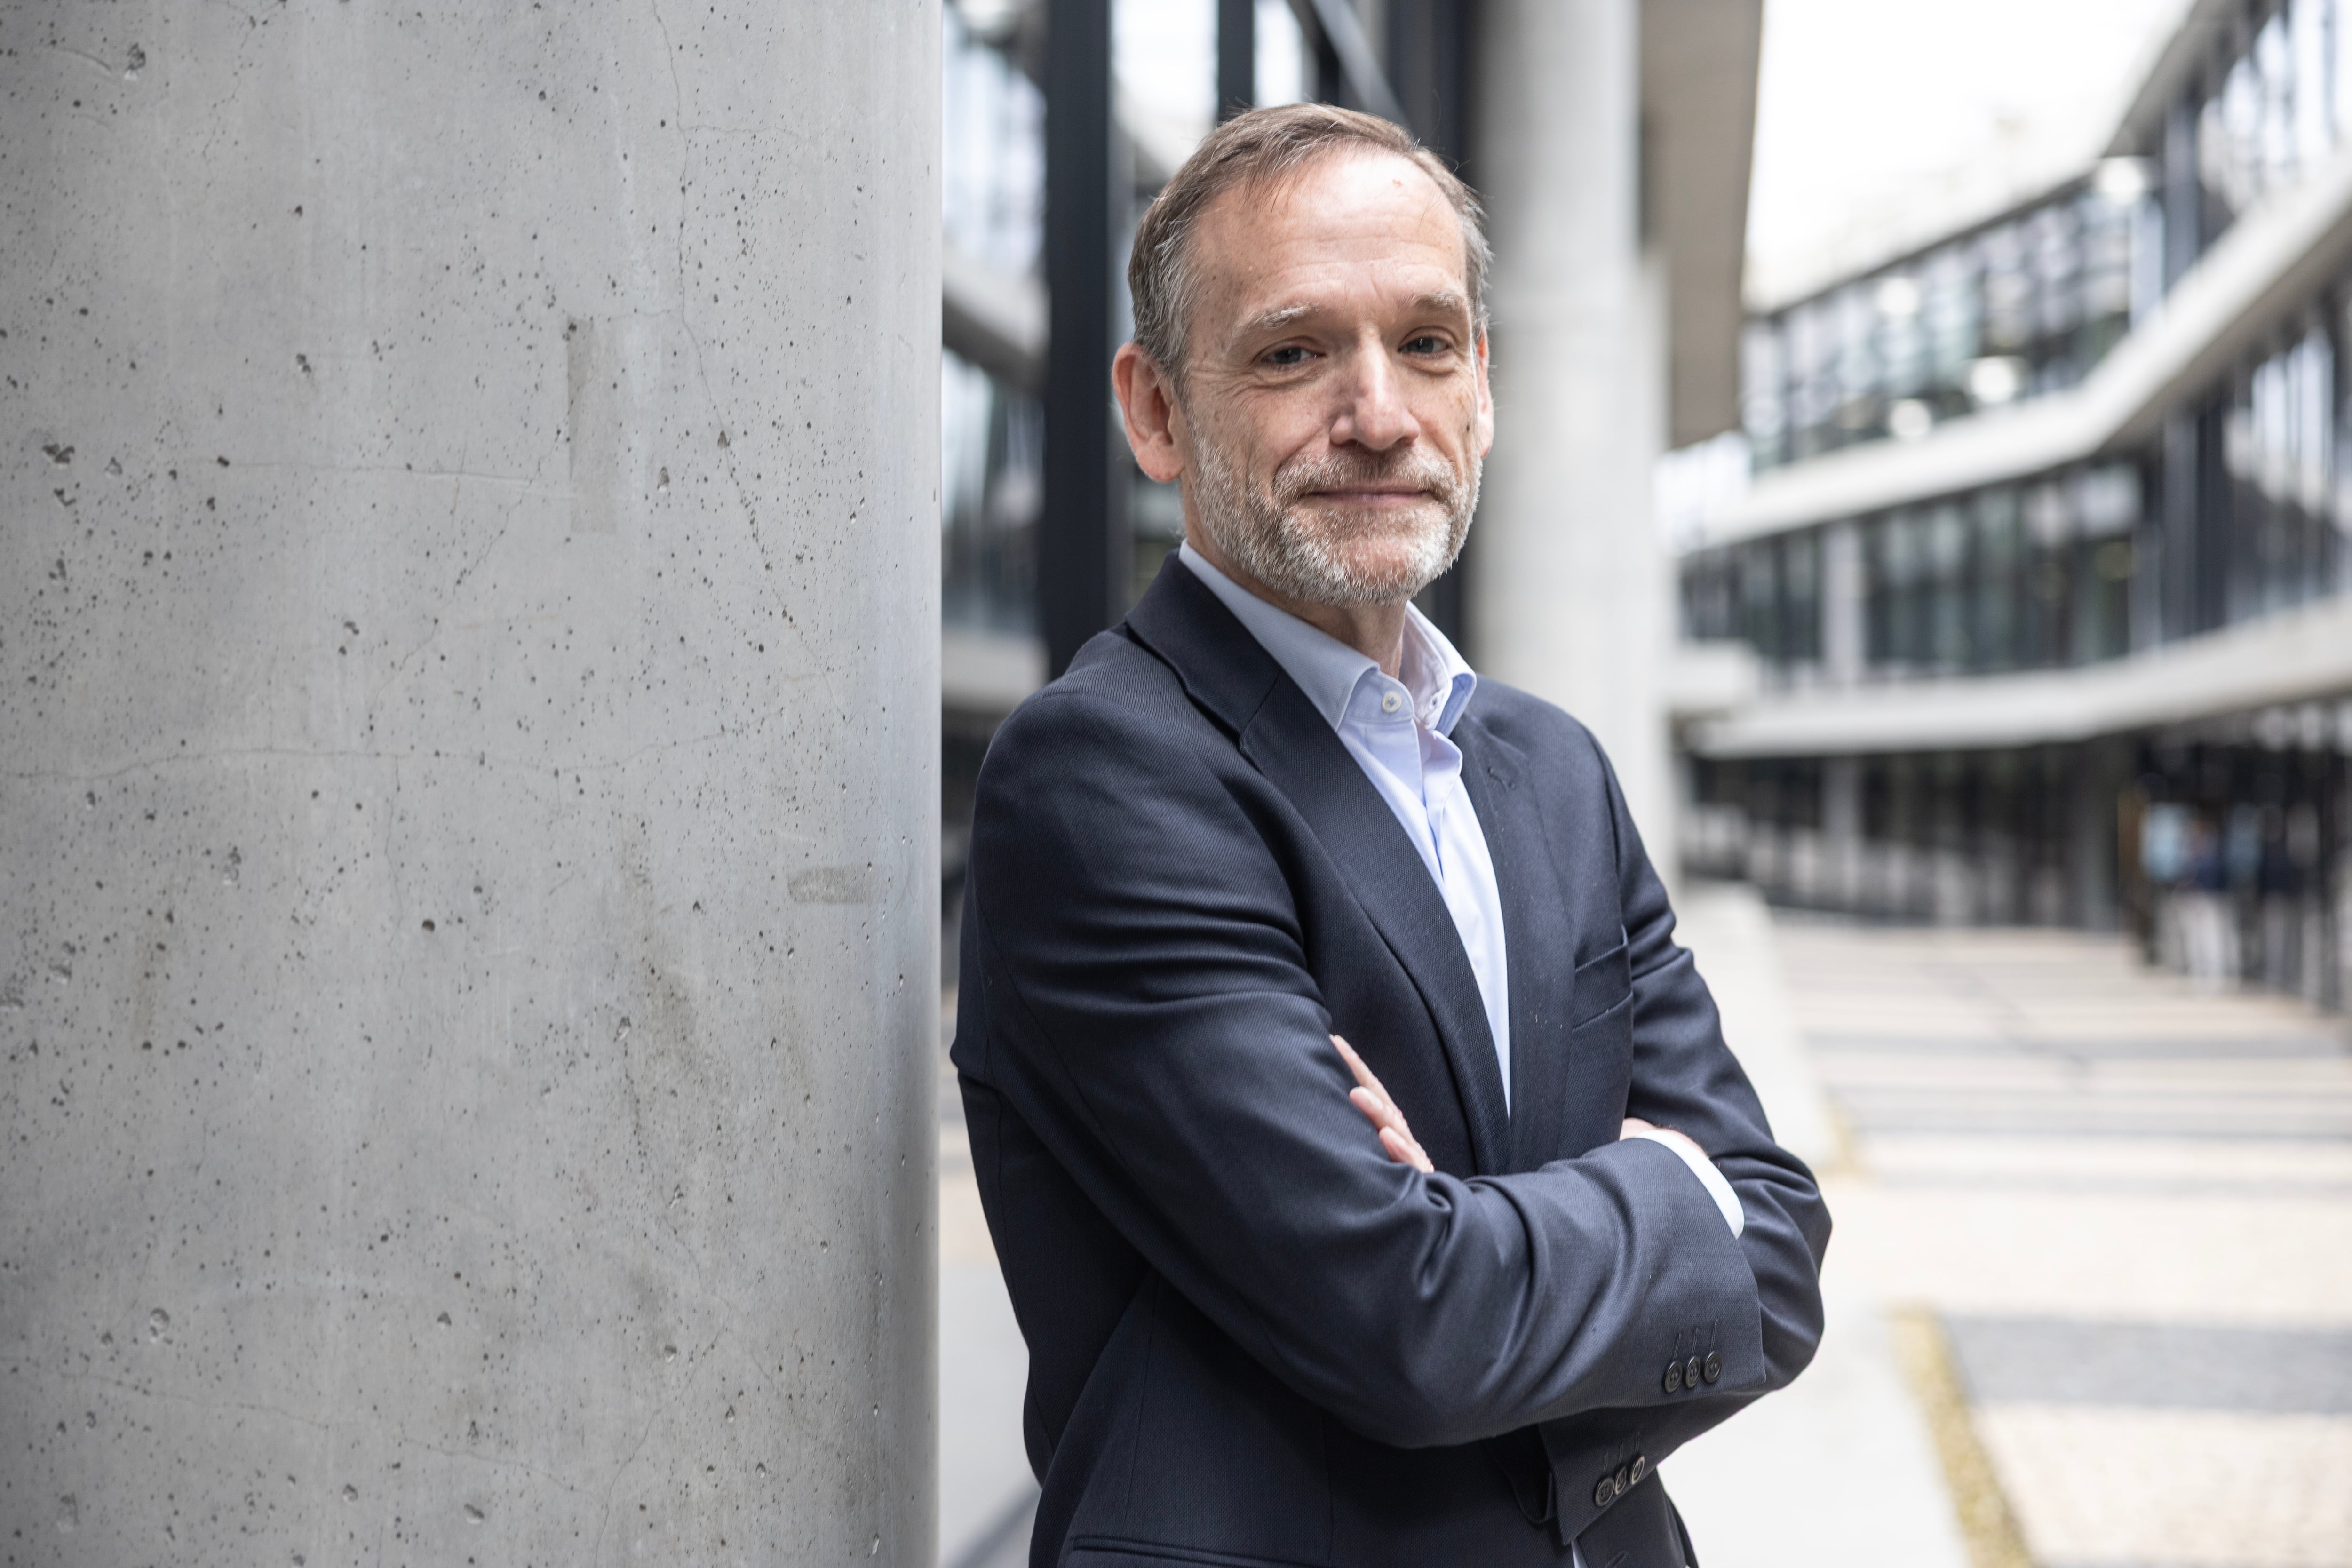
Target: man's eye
<point x="1288" y="354"/>
<point x="1427" y="344"/>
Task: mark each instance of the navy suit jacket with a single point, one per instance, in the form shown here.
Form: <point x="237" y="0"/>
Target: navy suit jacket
<point x="1253" y="1339"/>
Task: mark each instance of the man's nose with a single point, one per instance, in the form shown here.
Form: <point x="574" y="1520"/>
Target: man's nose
<point x="1375" y="414"/>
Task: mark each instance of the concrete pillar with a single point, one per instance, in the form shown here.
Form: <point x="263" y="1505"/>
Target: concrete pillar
<point x="1570" y="586"/>
<point x="469" y="713"/>
<point x="1845" y="638"/>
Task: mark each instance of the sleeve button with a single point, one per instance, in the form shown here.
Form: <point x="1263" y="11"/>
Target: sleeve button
<point x="1713" y="1370"/>
<point x="1691" y="1372"/>
<point x="1604" y="1491"/>
<point x="1641" y="1468"/>
<point x="1674" y="1377"/>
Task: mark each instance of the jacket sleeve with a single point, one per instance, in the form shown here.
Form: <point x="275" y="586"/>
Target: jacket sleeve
<point x="1151" y="1016"/>
<point x="1685" y="1077"/>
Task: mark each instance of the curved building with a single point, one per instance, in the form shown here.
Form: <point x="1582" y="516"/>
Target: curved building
<point x="2035" y="608"/>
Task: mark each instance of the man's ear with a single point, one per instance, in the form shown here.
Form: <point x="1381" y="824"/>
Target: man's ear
<point x="1147" y="404"/>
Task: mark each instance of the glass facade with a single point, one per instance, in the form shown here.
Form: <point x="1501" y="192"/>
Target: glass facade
<point x="993" y="162"/>
<point x="2223" y="844"/>
<point x="2021" y="306"/>
<point x="2240" y="508"/>
<point x="2236" y="831"/>
<point x="2028" y="303"/>
<point x="992" y="436"/>
<point x="992" y="477"/>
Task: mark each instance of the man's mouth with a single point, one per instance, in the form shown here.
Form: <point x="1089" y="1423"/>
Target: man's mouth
<point x="1369" y="498"/>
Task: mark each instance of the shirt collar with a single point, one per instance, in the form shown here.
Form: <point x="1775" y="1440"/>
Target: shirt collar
<point x="1437" y="677"/>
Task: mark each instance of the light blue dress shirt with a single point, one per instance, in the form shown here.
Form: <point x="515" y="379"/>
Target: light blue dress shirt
<point x="1398" y="731"/>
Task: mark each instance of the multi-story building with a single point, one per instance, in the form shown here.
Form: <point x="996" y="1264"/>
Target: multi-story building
<point x="2038" y="605"/>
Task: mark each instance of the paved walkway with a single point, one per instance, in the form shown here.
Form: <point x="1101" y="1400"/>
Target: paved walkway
<point x="2127" y="1211"/>
<point x="985" y="1491"/>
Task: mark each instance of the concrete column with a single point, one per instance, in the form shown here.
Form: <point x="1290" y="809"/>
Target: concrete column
<point x="469" y="713"/>
<point x="1844" y="605"/>
<point x="1569" y="587"/>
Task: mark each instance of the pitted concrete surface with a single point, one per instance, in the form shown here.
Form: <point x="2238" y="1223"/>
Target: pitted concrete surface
<point x="468" y="782"/>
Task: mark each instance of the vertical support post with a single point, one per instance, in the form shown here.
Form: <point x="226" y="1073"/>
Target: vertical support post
<point x="1845" y="606"/>
<point x="2183" y="192"/>
<point x="1082" y="536"/>
<point x="470" y="694"/>
<point x="1571" y="590"/>
<point x="1236" y="57"/>
<point x="2176" y="593"/>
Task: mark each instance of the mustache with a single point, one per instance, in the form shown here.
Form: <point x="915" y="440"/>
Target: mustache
<point x="1411" y="468"/>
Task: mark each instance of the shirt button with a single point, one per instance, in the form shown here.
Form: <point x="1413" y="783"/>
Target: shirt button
<point x="1390" y="702"/>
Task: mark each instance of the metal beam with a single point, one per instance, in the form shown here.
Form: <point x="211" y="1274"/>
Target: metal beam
<point x="1335" y="22"/>
<point x="1236" y="57"/>
<point x="1082" y="545"/>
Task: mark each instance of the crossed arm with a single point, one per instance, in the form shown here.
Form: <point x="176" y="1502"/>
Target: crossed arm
<point x="1160" y="1033"/>
<point x="1396" y="1135"/>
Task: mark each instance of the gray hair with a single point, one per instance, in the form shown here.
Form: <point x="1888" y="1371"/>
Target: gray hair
<point x="1260" y="148"/>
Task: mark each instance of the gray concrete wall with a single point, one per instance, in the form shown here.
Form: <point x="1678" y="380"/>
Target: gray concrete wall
<point x="469" y="704"/>
<point x="1570" y="586"/>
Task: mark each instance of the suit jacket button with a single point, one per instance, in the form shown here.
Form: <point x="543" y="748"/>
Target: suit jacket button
<point x="1641" y="1468"/>
<point x="1674" y="1377"/>
<point x="1604" y="1491"/>
<point x="1622" y="1480"/>
<point x="1713" y="1370"/>
<point x="1691" y="1372"/>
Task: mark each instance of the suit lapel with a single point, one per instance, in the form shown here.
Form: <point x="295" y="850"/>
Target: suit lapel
<point x="1284" y="737"/>
<point x="1537" y="946"/>
<point x="1294" y="749"/>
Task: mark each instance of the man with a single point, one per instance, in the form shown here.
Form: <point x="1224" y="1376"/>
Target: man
<point x="1275" y="807"/>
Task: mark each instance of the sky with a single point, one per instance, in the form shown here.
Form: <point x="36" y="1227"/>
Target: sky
<point x="1881" y="122"/>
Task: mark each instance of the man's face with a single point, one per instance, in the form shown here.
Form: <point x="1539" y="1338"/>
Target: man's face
<point x="1334" y="409"/>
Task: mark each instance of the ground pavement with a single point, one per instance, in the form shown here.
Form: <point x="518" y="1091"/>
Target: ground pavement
<point x="2122" y="1215"/>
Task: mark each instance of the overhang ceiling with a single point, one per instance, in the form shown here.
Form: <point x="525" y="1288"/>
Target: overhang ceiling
<point x="1699" y="114"/>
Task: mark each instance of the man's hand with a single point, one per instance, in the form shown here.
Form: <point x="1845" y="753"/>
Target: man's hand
<point x="1379" y="1110"/>
<point x="1636" y="1128"/>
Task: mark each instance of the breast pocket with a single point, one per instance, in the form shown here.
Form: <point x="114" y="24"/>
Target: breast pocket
<point x="1602" y="985"/>
<point x="1600" y="1049"/>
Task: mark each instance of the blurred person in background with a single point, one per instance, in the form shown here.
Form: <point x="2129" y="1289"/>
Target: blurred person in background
<point x="2208" y="926"/>
<point x="1270" y="1319"/>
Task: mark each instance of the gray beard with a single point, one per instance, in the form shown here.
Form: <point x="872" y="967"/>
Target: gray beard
<point x="1258" y="529"/>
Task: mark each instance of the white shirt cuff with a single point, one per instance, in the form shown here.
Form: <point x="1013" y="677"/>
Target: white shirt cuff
<point x="1708" y="1177"/>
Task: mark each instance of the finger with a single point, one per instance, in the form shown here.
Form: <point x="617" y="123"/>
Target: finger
<point x="1404" y="1151"/>
<point x="1378" y="1112"/>
<point x="1364" y="1075"/>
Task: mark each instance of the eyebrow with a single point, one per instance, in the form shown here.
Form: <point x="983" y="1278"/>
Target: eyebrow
<point x="1273" y="321"/>
<point x="1444" y="302"/>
